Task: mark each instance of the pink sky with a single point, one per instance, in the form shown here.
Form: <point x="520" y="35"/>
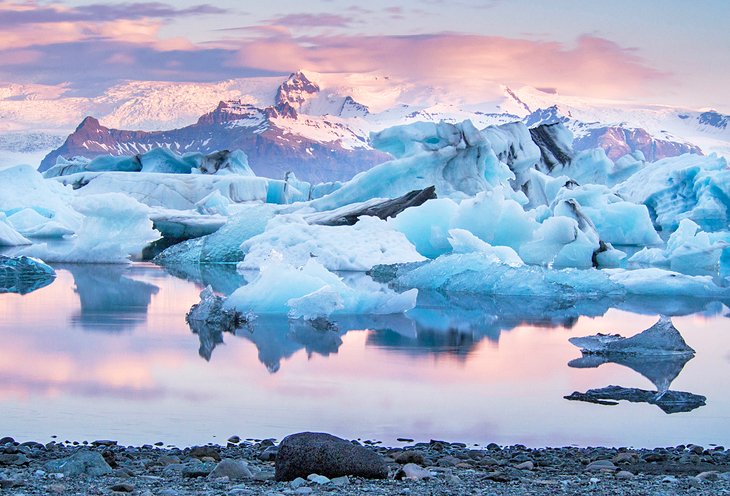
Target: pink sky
<point x="468" y="46"/>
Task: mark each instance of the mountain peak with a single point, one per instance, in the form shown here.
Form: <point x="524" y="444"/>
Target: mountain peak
<point x="89" y="123"/>
<point x="293" y="94"/>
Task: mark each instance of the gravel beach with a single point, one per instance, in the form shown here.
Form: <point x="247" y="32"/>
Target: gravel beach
<point x="248" y="467"/>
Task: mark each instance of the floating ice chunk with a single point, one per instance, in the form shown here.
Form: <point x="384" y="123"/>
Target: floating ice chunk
<point x="668" y="401"/>
<point x="475" y="273"/>
<point x="224" y="245"/>
<point x="688" y="250"/>
<point x="29" y="222"/>
<point x="9" y="236"/>
<point x="456" y="159"/>
<point x="158" y="160"/>
<point x="463" y="241"/>
<point x="513" y="145"/>
<point x="689" y="186"/>
<point x="427" y="226"/>
<point x="312" y="291"/>
<point x="658" y="282"/>
<point x="214" y="203"/>
<point x="24" y="274"/>
<point x="369" y="242"/>
<point x="175" y="191"/>
<point x="22" y="187"/>
<point x="115" y="227"/>
<point x="617" y="221"/>
<point x="589" y="167"/>
<point x="660" y="339"/>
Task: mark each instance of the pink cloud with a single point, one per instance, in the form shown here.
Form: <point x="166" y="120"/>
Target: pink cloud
<point x="594" y="66"/>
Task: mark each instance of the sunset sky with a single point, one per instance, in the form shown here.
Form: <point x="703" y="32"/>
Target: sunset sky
<point x="654" y="51"/>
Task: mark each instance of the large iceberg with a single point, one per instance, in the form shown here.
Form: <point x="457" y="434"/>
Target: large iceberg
<point x="114" y="229"/>
<point x="368" y="243"/>
<point x="157" y="160"/>
<point x="35" y="207"/>
<point x="686" y="187"/>
<point x="311" y="291"/>
<point x="24" y="274"/>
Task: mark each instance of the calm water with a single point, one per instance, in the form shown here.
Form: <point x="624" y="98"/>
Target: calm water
<point x="104" y="352"/>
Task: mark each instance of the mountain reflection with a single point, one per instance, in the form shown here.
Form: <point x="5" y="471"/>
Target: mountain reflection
<point x="109" y="300"/>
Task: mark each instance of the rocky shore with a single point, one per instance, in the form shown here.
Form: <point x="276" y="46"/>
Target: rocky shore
<point x="309" y="463"/>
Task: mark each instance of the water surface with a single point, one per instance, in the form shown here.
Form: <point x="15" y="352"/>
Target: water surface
<point x="105" y="352"/>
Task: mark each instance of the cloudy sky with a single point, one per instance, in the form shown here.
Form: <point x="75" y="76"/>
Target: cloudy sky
<point x="655" y="51"/>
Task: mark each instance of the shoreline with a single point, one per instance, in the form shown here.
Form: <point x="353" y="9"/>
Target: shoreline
<point x="243" y="467"/>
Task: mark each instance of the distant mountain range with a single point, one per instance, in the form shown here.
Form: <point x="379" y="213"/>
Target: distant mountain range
<point x="318" y="125"/>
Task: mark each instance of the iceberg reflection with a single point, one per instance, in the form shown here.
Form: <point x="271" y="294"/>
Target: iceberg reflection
<point x="109" y="300"/>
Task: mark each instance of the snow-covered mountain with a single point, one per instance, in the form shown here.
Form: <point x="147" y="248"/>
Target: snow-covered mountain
<point x="325" y="114"/>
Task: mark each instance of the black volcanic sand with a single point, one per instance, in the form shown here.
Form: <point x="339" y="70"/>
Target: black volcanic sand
<point x="450" y="468"/>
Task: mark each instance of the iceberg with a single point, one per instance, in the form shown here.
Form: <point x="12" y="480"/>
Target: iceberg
<point x="455" y="158"/>
<point x="9" y="236"/>
<point x="160" y="160"/>
<point x="311" y="291"/>
<point x="368" y="243"/>
<point x="114" y="228"/>
<point x="23" y="274"/>
<point x="35" y="206"/>
<point x="660" y="339"/>
<point x="686" y="187"/>
<point x="688" y="250"/>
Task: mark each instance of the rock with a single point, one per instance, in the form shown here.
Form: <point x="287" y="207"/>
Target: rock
<point x="710" y="475"/>
<point x="411" y="471"/>
<point x="383" y="209"/>
<point x="196" y="468"/>
<point x="104" y="442"/>
<point x="6" y="440"/>
<point x="122" y="488"/>
<point x="624" y="457"/>
<point x="234" y="439"/>
<point x="341" y="481"/>
<point x="205" y="451"/>
<point x="233" y="469"/>
<point x="269" y="454"/>
<point x="16" y="459"/>
<point x="624" y="475"/>
<point x="409" y="457"/>
<point x="601" y="465"/>
<point x="297" y="483"/>
<point x="311" y="452"/>
<point x="264" y="475"/>
<point x="304" y="490"/>
<point x="80" y="463"/>
<point x="318" y="479"/>
<point x="528" y="465"/>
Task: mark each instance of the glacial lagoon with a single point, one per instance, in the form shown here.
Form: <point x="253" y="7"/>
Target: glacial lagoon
<point x="105" y="352"/>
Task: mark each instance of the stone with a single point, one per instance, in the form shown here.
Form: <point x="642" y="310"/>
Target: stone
<point x="234" y="439"/>
<point x="528" y="465"/>
<point x="710" y="475"/>
<point x="196" y="468"/>
<point x="233" y="469"/>
<point x="304" y="490"/>
<point x="104" y="442"/>
<point x="122" y="488"/>
<point x="624" y="475"/>
<point x="341" y="481"/>
<point x="297" y="483"/>
<point x="6" y="440"/>
<point x="80" y="463"/>
<point x="318" y="479"/>
<point x="409" y="457"/>
<point x="311" y="452"/>
<point x="601" y="465"/>
<point x="624" y="457"/>
<point x="16" y="459"/>
<point x="269" y="454"/>
<point x="411" y="471"/>
<point x="205" y="451"/>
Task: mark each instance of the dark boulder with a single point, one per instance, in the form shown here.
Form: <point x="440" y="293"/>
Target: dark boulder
<point x="324" y="454"/>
